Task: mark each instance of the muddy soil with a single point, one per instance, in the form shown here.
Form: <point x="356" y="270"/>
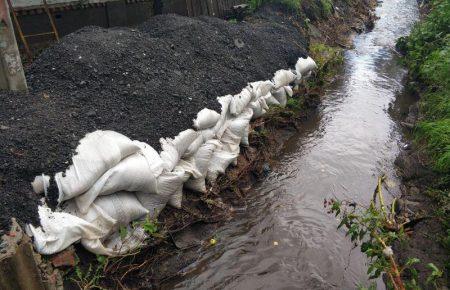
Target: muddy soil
<point x="145" y="83"/>
<point x="425" y="230"/>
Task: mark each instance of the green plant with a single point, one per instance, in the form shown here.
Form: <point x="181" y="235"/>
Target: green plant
<point x="90" y="278"/>
<point x="327" y="7"/>
<point x="376" y="228"/>
<point x="150" y="226"/>
<point x="293" y="5"/>
<point x="427" y="56"/>
<point x="328" y="59"/>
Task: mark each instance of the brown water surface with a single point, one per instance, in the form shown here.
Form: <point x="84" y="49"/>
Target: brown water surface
<point x="340" y="152"/>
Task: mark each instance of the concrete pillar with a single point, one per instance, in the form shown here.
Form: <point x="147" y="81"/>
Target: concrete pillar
<point x="12" y="76"/>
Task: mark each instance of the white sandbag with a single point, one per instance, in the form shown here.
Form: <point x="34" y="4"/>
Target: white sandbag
<point x="281" y="96"/>
<point x="219" y="163"/>
<point x="206" y="118"/>
<point x="244" y="139"/>
<point x="59" y="230"/>
<point x="260" y="88"/>
<point x="40" y="184"/>
<point x="305" y="66"/>
<point x="168" y="183"/>
<point x="283" y="78"/>
<point x="124" y="207"/>
<point x="116" y="245"/>
<point x="207" y="134"/>
<point x="97" y="152"/>
<point x="230" y="142"/>
<point x="288" y="91"/>
<point x="271" y="100"/>
<point x="196" y="144"/>
<point x="137" y="172"/>
<point x="240" y="101"/>
<point x="190" y="170"/>
<point x="259" y="108"/>
<point x="238" y="124"/>
<point x="173" y="149"/>
<point x="225" y="115"/>
<point x="201" y="159"/>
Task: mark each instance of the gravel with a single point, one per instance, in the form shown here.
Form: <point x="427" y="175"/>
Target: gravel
<point x="146" y="83"/>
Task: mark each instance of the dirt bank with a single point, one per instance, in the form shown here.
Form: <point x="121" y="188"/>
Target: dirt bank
<point x="145" y="83"/>
<point x="418" y="204"/>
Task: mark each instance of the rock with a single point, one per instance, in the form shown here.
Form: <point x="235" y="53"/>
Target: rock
<point x="65" y="258"/>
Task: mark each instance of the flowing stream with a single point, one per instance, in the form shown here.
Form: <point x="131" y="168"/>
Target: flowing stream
<point x="284" y="239"/>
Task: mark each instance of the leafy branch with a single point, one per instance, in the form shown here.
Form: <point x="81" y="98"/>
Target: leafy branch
<point x="376" y="228"/>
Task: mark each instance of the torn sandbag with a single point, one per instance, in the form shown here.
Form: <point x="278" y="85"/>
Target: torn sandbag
<point x="168" y="183"/>
<point x="201" y="159"/>
<point x="240" y="101"/>
<point x="59" y="230"/>
<point x="173" y="149"/>
<point x="97" y="152"/>
<point x="305" y="66"/>
<point x="206" y="118"/>
<point x="137" y="172"/>
<point x="283" y="78"/>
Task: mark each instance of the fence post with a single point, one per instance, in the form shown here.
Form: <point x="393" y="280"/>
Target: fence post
<point x="12" y="76"/>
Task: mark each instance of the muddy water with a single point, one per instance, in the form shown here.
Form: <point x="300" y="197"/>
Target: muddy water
<point x="340" y="152"/>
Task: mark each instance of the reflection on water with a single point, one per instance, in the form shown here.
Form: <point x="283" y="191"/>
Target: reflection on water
<point x="339" y="153"/>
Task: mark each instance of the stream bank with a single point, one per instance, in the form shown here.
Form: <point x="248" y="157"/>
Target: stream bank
<point x="424" y="164"/>
<point x="186" y="231"/>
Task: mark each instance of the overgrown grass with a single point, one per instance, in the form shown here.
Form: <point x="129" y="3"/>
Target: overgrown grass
<point x="329" y="60"/>
<point x="293" y="5"/>
<point x="427" y="55"/>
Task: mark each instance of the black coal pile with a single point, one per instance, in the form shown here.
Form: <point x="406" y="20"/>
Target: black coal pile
<point x="145" y="83"/>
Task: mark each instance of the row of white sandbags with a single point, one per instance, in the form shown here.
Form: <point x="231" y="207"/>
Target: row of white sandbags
<point x="114" y="180"/>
